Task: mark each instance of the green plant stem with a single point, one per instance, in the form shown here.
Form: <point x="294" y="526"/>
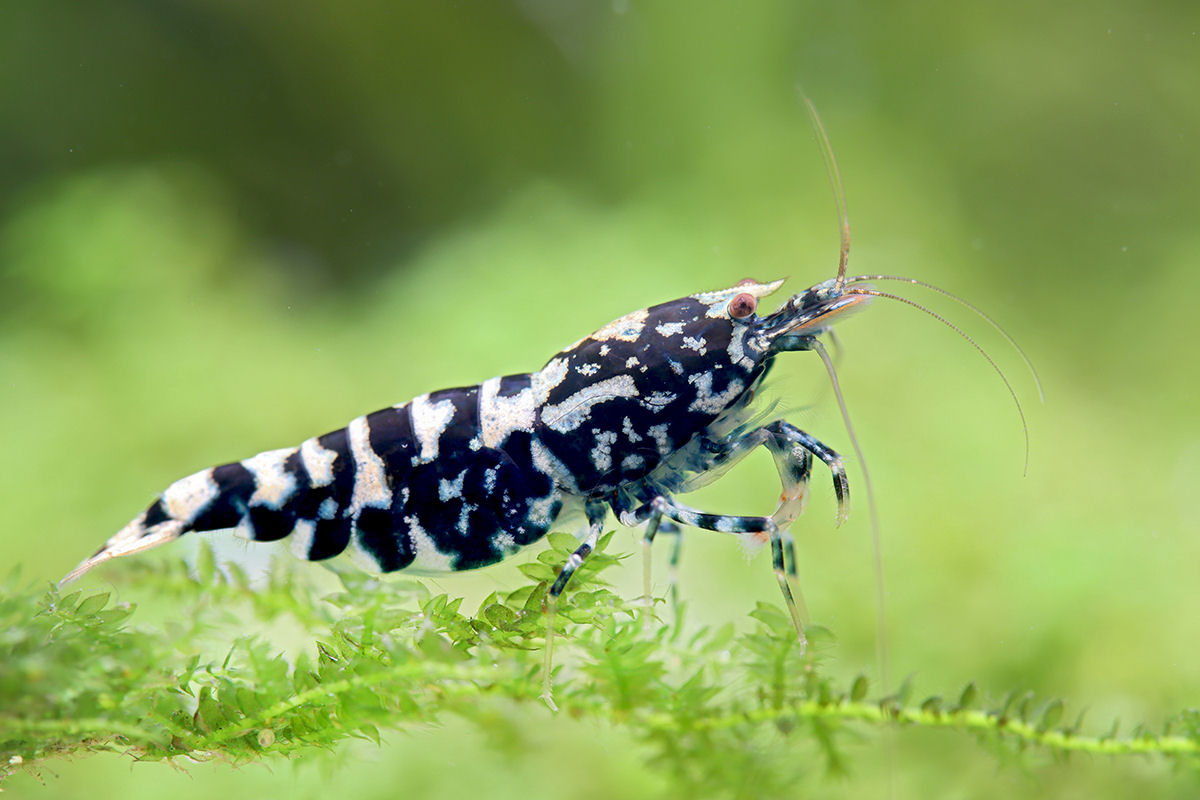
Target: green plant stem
<point x="972" y="720"/>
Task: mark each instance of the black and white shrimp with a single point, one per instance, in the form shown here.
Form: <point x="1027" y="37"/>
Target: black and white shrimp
<point x="647" y="407"/>
<point x="650" y="406"/>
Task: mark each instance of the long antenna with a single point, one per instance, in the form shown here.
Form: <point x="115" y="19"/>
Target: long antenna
<point x="881" y="633"/>
<point x="839" y="193"/>
<point x="969" y="306"/>
<point x="1012" y="393"/>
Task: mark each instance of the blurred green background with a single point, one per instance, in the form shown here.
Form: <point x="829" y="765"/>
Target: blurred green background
<point x="225" y="227"/>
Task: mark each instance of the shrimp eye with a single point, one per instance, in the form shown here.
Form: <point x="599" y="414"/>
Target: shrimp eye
<point x="743" y="305"/>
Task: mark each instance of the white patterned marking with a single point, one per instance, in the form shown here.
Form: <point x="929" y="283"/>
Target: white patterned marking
<point x="708" y="402"/>
<point x="541" y="508"/>
<point x="449" y="490"/>
<point x="737" y="348"/>
<point x="504" y="542"/>
<point x="301" y="538"/>
<point x="428" y="558"/>
<point x="548" y="464"/>
<point x="572" y="412"/>
<point x="429" y="422"/>
<point x="602" y="453"/>
<point x="327" y="509"/>
<point x="657" y="401"/>
<point x="500" y="416"/>
<point x="187" y="497"/>
<point x="362" y="557"/>
<point x="318" y="460"/>
<point x="370" y="482"/>
<point x="659" y="434"/>
<point x="626" y="329"/>
<point x="273" y="485"/>
<point x="544" y="380"/>
<point x="464" y="518"/>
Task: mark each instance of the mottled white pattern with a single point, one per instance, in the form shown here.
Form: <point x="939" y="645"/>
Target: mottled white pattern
<point x="630" y="433"/>
<point x="273" y="485"/>
<point x="541" y="508"/>
<point x="692" y="343"/>
<point x="631" y="362"/>
<point x="489" y="478"/>
<point x="464" y="518"/>
<point x="318" y="461"/>
<point x="669" y="329"/>
<point x="659" y="434"/>
<point x="572" y="412"/>
<point x="370" y="482"/>
<point x="626" y="329"/>
<point x="301" y="537"/>
<point x="429" y="421"/>
<point x="602" y="453"/>
<point x="448" y="490"/>
<point x="737" y="347"/>
<point x="327" y="509"/>
<point x="428" y="558"/>
<point x="187" y="497"/>
<point x="504" y="542"/>
<point x="363" y="558"/>
<point x="545" y="379"/>
<point x="500" y="416"/>
<point x="708" y="402"/>
<point x="545" y="462"/>
<point x="657" y="401"/>
<point x="588" y="370"/>
<point x="632" y="462"/>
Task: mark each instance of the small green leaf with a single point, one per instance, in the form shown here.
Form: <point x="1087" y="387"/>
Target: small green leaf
<point x="564" y="543"/>
<point x="326" y="653"/>
<point x="538" y="572"/>
<point x="1051" y="716"/>
<point x="113" y="617"/>
<point x="92" y="604"/>
<point x="502" y="617"/>
<point x="858" y="690"/>
<point x="206" y="565"/>
<point x="966" y="700"/>
<point x="68" y="602"/>
<point x="1023" y="708"/>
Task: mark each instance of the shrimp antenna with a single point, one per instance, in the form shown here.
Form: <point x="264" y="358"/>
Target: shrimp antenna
<point x="969" y="306"/>
<point x="839" y="193"/>
<point x="881" y="637"/>
<point x="1012" y="393"/>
